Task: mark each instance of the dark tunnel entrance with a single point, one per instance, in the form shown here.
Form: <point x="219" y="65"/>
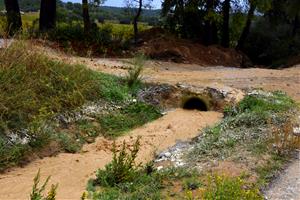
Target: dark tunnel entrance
<point x="195" y="103"/>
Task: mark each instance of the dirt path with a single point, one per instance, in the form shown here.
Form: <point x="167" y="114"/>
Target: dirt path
<point x="287" y="186"/>
<point x="72" y="171"/>
<point x="287" y="80"/>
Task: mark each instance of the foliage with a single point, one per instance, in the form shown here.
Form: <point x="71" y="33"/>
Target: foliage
<point x="133" y="115"/>
<point x="247" y="124"/>
<point x="268" y="170"/>
<point x="122" y="168"/>
<point x="134" y="74"/>
<point x="222" y="187"/>
<point x="123" y="178"/>
<point x="277" y="35"/>
<point x="68" y="143"/>
<point x="37" y="192"/>
<point x="10" y="154"/>
<point x="36" y="89"/>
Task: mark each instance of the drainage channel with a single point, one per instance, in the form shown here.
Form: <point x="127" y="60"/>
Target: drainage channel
<point x="190" y="97"/>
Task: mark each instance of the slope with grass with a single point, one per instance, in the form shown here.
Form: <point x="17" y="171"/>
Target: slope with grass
<point x="38" y="96"/>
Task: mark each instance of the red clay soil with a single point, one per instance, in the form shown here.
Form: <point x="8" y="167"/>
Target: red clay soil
<point x="160" y="45"/>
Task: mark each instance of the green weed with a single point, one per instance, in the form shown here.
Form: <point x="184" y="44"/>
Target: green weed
<point x="131" y="116"/>
<point x="68" y="143"/>
<point x="267" y="171"/>
<point x="227" y="188"/>
<point x="37" y="191"/>
<point x="34" y="89"/>
<point x="134" y="74"/>
<point x="122" y="168"/>
<point x="124" y="179"/>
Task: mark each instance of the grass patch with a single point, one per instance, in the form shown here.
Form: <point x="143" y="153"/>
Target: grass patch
<point x="246" y="126"/>
<point x="35" y="89"/>
<point x="268" y="170"/>
<point x="222" y="187"/>
<point x="131" y="116"/>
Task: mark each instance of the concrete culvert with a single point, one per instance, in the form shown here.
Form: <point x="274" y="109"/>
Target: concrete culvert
<point x="195" y="103"/>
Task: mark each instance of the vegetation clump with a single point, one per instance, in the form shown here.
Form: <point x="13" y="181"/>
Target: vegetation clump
<point x="248" y="126"/>
<point x="37" y="191"/>
<point x="35" y="91"/>
<point x="123" y="178"/>
<point x="222" y="187"/>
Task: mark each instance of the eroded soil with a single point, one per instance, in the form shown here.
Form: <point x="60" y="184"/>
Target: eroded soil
<point x="72" y="171"/>
<point x="287" y="80"/>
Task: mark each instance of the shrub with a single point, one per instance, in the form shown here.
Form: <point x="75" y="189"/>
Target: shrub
<point x="68" y="143"/>
<point x="122" y="169"/>
<point x="226" y="188"/>
<point x="134" y="74"/>
<point x="248" y="125"/>
<point x="37" y="192"/>
<point x="124" y="179"/>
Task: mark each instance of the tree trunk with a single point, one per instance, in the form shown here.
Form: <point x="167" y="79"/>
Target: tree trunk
<point x="47" y="15"/>
<point x="13" y="15"/>
<point x="86" y="16"/>
<point x="246" y="30"/>
<point x="135" y="21"/>
<point x="296" y="25"/>
<point x="210" y="35"/>
<point x="225" y="31"/>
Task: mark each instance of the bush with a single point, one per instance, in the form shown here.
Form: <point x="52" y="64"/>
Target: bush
<point x="226" y="188"/>
<point x="134" y="74"/>
<point x="124" y="179"/>
<point x="37" y="192"/>
<point x="247" y="125"/>
<point x="122" y="169"/>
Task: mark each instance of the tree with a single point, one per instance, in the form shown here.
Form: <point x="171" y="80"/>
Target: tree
<point x="86" y="16"/>
<point x="293" y="11"/>
<point x="135" y="21"/>
<point x="225" y="29"/>
<point x="136" y="6"/>
<point x="47" y="19"/>
<point x="262" y="6"/>
<point x="247" y="26"/>
<point x="211" y="31"/>
<point x="14" y="22"/>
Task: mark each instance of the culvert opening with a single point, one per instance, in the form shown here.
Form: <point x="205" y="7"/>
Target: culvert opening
<point x="195" y="103"/>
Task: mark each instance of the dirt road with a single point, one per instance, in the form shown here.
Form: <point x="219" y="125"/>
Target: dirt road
<point x="72" y="171"/>
<point x="287" y="80"/>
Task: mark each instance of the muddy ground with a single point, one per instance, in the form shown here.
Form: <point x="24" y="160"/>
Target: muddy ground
<point x="287" y="79"/>
<point x="72" y="171"/>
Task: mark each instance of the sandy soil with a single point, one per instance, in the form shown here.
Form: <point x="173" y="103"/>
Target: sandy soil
<point x="72" y="171"/>
<point x="287" y="80"/>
